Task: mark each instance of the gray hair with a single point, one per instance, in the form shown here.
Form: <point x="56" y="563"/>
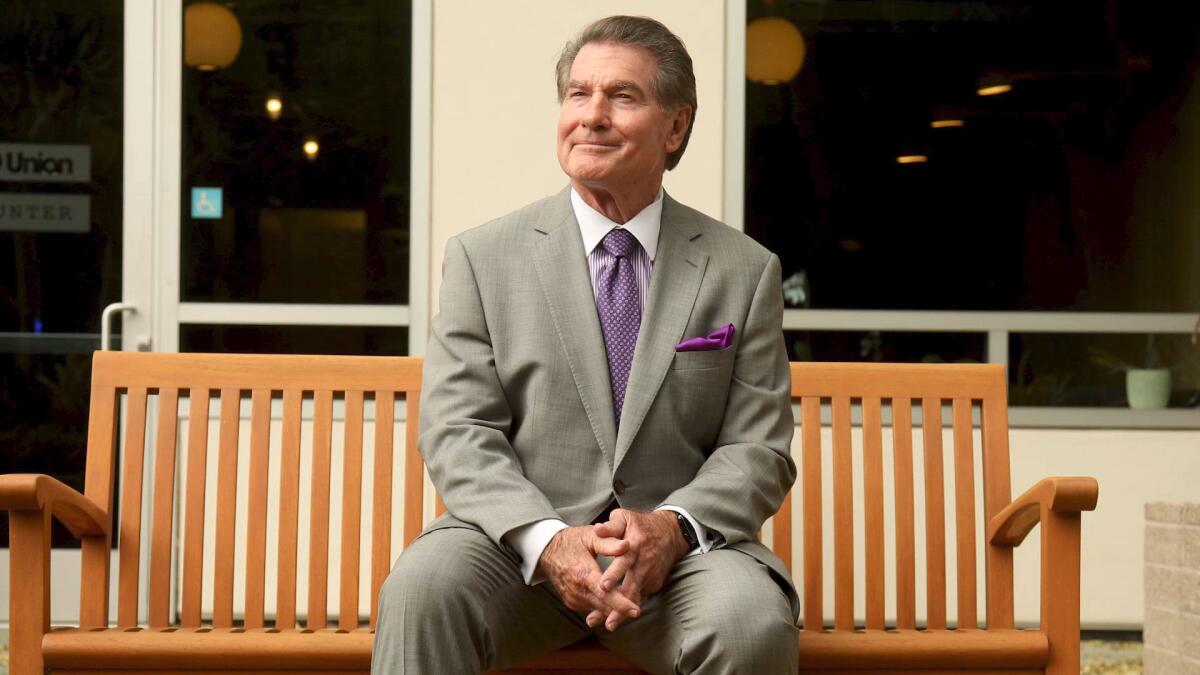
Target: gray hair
<point x="673" y="83"/>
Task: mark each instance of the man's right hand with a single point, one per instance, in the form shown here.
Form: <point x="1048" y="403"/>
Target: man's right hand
<point x="569" y="562"/>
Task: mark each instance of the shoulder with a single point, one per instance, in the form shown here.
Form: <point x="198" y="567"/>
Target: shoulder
<point x="725" y="245"/>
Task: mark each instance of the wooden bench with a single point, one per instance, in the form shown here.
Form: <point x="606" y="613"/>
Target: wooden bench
<point x="247" y="640"/>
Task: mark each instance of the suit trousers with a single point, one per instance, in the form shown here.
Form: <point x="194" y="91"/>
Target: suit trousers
<point x="456" y="603"/>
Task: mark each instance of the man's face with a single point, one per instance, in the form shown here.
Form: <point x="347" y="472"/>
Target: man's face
<point x="611" y="130"/>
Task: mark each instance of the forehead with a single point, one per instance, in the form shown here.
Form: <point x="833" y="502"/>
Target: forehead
<point x="598" y="62"/>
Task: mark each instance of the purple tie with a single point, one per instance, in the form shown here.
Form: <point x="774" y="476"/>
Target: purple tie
<point x="620" y="309"/>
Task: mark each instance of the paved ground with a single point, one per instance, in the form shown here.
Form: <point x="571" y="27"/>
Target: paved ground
<point x="1100" y="657"/>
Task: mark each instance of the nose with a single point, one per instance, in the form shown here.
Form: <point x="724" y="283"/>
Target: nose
<point x="595" y="113"/>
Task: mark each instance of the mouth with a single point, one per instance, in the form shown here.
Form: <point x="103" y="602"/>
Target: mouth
<point x="592" y="145"/>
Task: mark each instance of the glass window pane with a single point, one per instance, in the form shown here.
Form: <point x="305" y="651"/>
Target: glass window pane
<point x="61" y="170"/>
<point x="1114" y="371"/>
<point x="346" y="340"/>
<point x="306" y="134"/>
<point x="1074" y="190"/>
<point x="886" y="346"/>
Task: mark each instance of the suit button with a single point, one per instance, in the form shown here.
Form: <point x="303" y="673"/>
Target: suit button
<point x="619" y="487"/>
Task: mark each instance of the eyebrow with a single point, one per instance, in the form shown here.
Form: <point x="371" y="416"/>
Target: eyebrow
<point x="616" y="85"/>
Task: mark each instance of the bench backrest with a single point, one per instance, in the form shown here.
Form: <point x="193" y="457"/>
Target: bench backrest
<point x="136" y="379"/>
<point x="901" y="389"/>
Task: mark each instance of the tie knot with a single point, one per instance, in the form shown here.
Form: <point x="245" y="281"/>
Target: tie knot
<point x="619" y="242"/>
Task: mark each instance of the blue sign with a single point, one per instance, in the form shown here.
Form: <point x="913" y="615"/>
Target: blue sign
<point x="206" y="202"/>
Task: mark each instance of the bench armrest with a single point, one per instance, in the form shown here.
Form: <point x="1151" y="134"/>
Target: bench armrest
<point x="36" y="492"/>
<point x="1058" y="494"/>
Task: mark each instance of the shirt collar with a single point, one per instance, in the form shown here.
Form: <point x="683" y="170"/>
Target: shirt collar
<point x="644" y="226"/>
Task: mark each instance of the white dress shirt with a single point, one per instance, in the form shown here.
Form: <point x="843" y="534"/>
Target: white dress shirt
<point x="530" y="540"/>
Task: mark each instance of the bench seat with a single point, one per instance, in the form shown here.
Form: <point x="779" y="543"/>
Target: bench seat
<point x="350" y="651"/>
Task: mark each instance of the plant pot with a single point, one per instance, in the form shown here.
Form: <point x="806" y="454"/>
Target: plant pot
<point x="1148" y="388"/>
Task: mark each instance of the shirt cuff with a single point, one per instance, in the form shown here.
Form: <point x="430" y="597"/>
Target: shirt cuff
<point x="705" y="541"/>
<point x="529" y="541"/>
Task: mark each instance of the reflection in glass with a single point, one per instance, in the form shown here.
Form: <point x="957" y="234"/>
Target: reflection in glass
<point x="306" y="133"/>
<point x="878" y="346"/>
<point x="1103" y="370"/>
<point x="1072" y="190"/>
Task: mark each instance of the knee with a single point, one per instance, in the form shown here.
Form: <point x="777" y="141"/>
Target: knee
<point x="421" y="586"/>
<point x="745" y="636"/>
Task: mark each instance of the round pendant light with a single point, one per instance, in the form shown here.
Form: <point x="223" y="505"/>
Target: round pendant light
<point x="212" y="36"/>
<point x="774" y="50"/>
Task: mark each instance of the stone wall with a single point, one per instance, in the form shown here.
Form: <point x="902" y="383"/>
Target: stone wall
<point x="1172" y="582"/>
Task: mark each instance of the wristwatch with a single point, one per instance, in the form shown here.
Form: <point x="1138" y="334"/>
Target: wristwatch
<point x="689" y="535"/>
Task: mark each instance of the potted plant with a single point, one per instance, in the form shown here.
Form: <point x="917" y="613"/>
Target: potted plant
<point x="1148" y="385"/>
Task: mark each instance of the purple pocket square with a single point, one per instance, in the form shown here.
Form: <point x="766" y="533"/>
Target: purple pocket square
<point x="718" y="339"/>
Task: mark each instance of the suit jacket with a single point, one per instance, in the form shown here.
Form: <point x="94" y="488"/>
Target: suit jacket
<point x="517" y="421"/>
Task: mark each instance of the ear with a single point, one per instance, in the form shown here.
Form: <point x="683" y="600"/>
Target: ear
<point x="679" y="119"/>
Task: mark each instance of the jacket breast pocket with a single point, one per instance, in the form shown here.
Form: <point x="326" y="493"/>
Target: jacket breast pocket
<point x="713" y="358"/>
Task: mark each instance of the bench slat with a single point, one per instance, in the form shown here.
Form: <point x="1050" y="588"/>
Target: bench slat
<point x="256" y="506"/>
<point x="414" y="476"/>
<point x="227" y="463"/>
<point x="193" y="524"/>
<point x="996" y="495"/>
<point x="130" y="537"/>
<point x="381" y="509"/>
<point x="351" y="510"/>
<point x="843" y="517"/>
<point x="810" y="428"/>
<point x="935" y="514"/>
<point x="902" y="465"/>
<point x="98" y="487"/>
<point x="289" y="497"/>
<point x="318" y="540"/>
<point x="873" y="509"/>
<point x="162" y="524"/>
<point x="964" y="511"/>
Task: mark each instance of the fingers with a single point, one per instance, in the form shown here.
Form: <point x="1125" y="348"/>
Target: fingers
<point x="615" y="527"/>
<point x="616" y="571"/>
<point x="610" y="547"/>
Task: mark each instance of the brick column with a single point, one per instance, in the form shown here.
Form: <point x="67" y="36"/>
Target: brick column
<point x="1172" y="586"/>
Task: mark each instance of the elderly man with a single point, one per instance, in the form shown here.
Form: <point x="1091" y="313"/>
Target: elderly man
<point x="605" y="408"/>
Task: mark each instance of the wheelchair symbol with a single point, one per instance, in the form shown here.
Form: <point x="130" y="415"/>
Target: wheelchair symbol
<point x="206" y="202"/>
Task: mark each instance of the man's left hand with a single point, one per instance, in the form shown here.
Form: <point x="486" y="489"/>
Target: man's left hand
<point x="655" y="545"/>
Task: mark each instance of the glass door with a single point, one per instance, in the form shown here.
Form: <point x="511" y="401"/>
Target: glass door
<point x="72" y="219"/>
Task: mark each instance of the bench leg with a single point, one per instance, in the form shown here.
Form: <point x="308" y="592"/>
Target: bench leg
<point x="1060" y="590"/>
<point x="29" y="588"/>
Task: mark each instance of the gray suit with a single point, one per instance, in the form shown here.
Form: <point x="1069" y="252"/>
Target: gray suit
<point x="517" y="417"/>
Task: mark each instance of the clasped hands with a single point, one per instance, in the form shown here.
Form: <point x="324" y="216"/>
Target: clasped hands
<point x="644" y="547"/>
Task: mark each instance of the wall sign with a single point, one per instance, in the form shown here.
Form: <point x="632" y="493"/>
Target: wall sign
<point x="45" y="163"/>
<point x="34" y="212"/>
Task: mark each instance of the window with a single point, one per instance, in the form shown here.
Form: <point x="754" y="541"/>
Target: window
<point x="1020" y="171"/>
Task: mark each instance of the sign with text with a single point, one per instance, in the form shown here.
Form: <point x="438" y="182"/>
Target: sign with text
<point x="45" y="163"/>
<point x="32" y="212"/>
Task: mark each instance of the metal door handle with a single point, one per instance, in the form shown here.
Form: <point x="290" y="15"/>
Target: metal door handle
<point x="106" y="321"/>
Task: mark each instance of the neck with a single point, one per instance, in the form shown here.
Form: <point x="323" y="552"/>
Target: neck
<point x="618" y="206"/>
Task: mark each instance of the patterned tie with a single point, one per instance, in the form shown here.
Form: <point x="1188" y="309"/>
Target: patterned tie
<point x="620" y="309"/>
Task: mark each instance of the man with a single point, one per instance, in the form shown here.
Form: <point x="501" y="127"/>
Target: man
<point x="606" y="381"/>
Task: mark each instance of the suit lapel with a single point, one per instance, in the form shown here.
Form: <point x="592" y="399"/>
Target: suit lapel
<point x="566" y="284"/>
<point x="674" y="284"/>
